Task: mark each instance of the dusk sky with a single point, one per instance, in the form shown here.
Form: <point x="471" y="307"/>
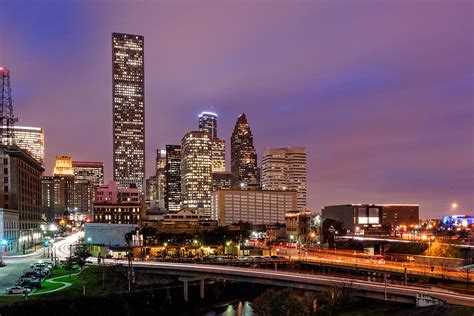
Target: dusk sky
<point x="380" y="92"/>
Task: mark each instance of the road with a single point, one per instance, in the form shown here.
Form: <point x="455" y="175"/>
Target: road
<point x="16" y="264"/>
<point x="298" y="279"/>
<point x="345" y="260"/>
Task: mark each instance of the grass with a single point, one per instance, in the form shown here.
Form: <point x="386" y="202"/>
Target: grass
<point x="97" y="279"/>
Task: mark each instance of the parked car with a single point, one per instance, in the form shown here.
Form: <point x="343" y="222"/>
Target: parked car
<point x="33" y="273"/>
<point x="18" y="290"/>
<point x="44" y="265"/>
<point x="29" y="282"/>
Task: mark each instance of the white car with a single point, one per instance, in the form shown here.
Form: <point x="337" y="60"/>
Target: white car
<point x="18" y="290"/>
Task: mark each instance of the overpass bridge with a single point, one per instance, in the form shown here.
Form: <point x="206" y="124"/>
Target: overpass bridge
<point x="376" y="290"/>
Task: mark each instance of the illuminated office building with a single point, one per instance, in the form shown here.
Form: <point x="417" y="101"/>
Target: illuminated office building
<point x="208" y="122"/>
<point x="173" y="178"/>
<point x="245" y="173"/>
<point x="20" y="180"/>
<point x="128" y="110"/>
<point x="159" y="181"/>
<point x="71" y="193"/>
<point x="285" y="169"/>
<point x="47" y="193"/>
<point x="218" y="155"/>
<point x="196" y="174"/>
<point x="92" y="171"/>
<point x="30" y="139"/>
<point x="252" y="206"/>
<point x="221" y="180"/>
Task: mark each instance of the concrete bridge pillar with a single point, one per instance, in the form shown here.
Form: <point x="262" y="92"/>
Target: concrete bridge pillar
<point x="276" y="266"/>
<point x="201" y="289"/>
<point x="185" y="290"/>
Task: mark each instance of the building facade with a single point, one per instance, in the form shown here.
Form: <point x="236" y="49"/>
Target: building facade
<point x="92" y="171"/>
<point x="116" y="205"/>
<point x="196" y="171"/>
<point x="245" y="173"/>
<point x="111" y="193"/>
<point x="221" y="180"/>
<point x="72" y="193"/>
<point x="285" y="169"/>
<point x="9" y="230"/>
<point x="173" y="178"/>
<point x="21" y="183"/>
<point x="298" y="226"/>
<point x="365" y="219"/>
<point x="253" y="206"/>
<point x="160" y="178"/>
<point x="128" y="82"/>
<point x="30" y="139"/>
<point x="208" y="122"/>
<point x="47" y="193"/>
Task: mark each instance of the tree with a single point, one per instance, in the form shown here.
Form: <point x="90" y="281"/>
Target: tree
<point x="149" y="234"/>
<point x="332" y="298"/>
<point x="331" y="228"/>
<point x="81" y="253"/>
<point x="283" y="302"/>
<point x="438" y="249"/>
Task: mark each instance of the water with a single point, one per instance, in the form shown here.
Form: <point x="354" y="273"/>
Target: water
<point x="241" y="308"/>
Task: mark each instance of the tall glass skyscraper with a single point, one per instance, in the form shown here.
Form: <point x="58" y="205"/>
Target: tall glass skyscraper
<point x="208" y="122"/>
<point x="173" y="178"/>
<point x="128" y="110"/>
<point x="245" y="173"/>
<point x="30" y="139"/>
<point x="196" y="174"/>
<point x="285" y="169"/>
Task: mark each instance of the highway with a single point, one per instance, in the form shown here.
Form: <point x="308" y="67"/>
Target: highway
<point x="346" y="260"/>
<point x="298" y="279"/>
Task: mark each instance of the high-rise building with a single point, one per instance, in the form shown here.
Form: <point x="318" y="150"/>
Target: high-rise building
<point x="128" y="110"/>
<point x="196" y="174"/>
<point x="30" y="139"/>
<point x="285" y="169"/>
<point x="245" y="173"/>
<point x="208" y="122"/>
<point x="173" y="178"/>
<point x="74" y="193"/>
<point x="63" y="178"/>
<point x="92" y="171"/>
<point x="160" y="179"/>
<point x="20" y="180"/>
<point x="47" y="193"/>
<point x="218" y="155"/>
<point x="221" y="180"/>
<point x="82" y="196"/>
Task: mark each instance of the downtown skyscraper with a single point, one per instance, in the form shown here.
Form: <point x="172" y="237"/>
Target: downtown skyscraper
<point x="172" y="174"/>
<point x="196" y="173"/>
<point x="30" y="139"/>
<point x="245" y="173"/>
<point x="208" y="123"/>
<point x="128" y="87"/>
<point x="285" y="169"/>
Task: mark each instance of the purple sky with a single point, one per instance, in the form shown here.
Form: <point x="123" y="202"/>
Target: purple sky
<point x="380" y="92"/>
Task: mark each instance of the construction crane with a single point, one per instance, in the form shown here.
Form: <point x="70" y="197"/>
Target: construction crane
<point x="8" y="120"/>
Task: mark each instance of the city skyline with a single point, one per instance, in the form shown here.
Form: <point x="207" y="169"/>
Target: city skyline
<point x="347" y="99"/>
